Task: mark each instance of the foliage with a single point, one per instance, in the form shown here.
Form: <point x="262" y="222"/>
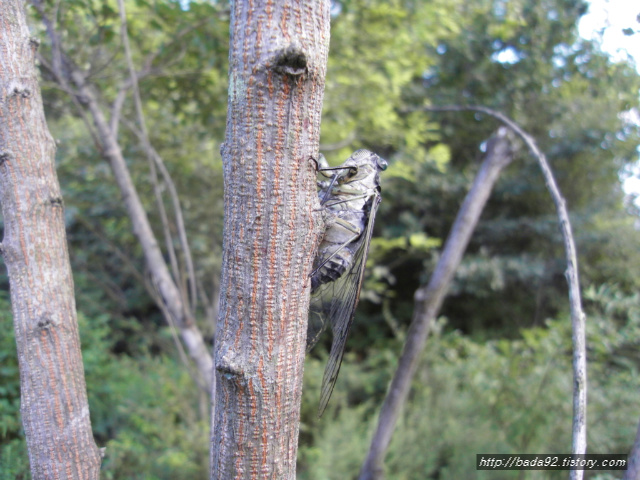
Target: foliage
<point x="386" y="59"/>
<point x="377" y="49"/>
<point x="182" y="59"/>
<point x="514" y="395"/>
<point x="146" y="412"/>
<point x="500" y="396"/>
<point x="524" y="59"/>
<point x="497" y="368"/>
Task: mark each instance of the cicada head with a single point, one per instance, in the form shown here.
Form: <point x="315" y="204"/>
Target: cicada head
<point x="364" y="167"/>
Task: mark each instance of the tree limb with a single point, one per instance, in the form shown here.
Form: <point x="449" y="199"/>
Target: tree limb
<point x="168" y="290"/>
<point x="170" y="295"/>
<point x="372" y="469"/>
<point x="155" y="159"/>
<point x="116" y="110"/>
<point x="429" y="299"/>
<point x="579" y="434"/>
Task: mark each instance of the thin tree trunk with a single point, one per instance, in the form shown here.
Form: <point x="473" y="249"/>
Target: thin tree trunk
<point x="277" y="68"/>
<point x="429" y="299"/>
<point x="633" y="463"/>
<point x="54" y="407"/>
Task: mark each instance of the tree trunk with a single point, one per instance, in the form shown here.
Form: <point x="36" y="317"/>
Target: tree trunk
<point x="54" y="407"/>
<point x="277" y="68"/>
<point x="633" y="463"/>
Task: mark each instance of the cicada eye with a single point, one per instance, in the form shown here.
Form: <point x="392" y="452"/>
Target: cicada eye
<point x="382" y="163"/>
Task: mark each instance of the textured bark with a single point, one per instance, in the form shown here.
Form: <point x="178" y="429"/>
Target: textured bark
<point x="54" y="407"/>
<point x="277" y="67"/>
<point x="429" y="299"/>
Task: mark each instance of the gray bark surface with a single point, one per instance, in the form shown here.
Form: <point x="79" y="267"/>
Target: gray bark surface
<point x="277" y="68"/>
<point x="54" y="407"/>
<point x="633" y="463"/>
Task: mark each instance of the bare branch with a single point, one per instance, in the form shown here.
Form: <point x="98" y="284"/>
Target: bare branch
<point x="62" y="84"/>
<point x="177" y="211"/>
<point x="155" y="159"/>
<point x="579" y="442"/>
<point x="116" y="110"/>
<point x="115" y="293"/>
<point x="55" y="40"/>
<point x="170" y="295"/>
<point x="171" y="299"/>
<point x="152" y="287"/>
<point x="429" y="299"/>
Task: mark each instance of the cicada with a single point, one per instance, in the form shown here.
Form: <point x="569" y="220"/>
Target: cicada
<point x="349" y="197"/>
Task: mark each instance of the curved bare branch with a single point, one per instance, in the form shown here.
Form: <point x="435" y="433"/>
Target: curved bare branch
<point x="578" y="318"/>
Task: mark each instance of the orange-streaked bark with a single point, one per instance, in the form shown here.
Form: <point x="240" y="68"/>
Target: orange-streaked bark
<point x="55" y="411"/>
<point x="277" y="69"/>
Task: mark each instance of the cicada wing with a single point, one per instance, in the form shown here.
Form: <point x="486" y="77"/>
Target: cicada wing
<point x="325" y="293"/>
<point x="346" y="292"/>
<point x="319" y="313"/>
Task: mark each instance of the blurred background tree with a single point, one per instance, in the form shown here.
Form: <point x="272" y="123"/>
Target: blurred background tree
<point x="496" y="375"/>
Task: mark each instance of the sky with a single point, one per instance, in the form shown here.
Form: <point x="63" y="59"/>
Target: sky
<point x="610" y="17"/>
<point x="606" y="19"/>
